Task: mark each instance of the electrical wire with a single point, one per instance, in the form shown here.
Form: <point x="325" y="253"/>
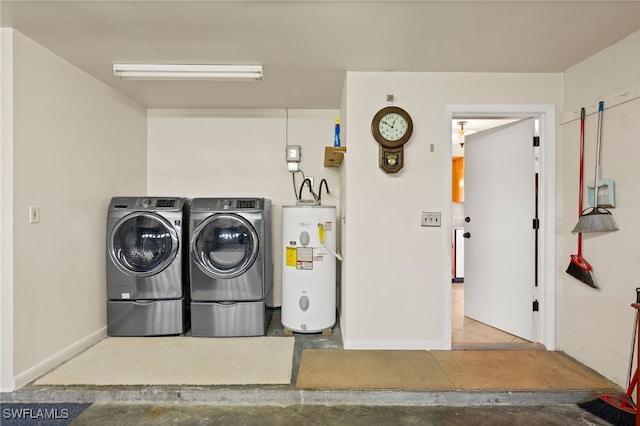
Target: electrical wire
<point x="320" y="190"/>
<point x="308" y="182"/>
<point x="286" y="128"/>
<point x="295" y="188"/>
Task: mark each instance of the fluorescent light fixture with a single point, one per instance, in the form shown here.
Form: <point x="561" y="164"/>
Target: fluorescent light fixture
<point x="187" y="72"/>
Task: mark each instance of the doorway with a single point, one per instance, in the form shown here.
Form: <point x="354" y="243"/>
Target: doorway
<point x="465" y="332"/>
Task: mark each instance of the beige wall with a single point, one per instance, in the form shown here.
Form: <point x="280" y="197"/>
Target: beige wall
<point x="6" y="210"/>
<point x="397" y="276"/>
<point x="211" y="153"/>
<point x="69" y="143"/>
<point x="595" y="327"/>
<point x="75" y="143"/>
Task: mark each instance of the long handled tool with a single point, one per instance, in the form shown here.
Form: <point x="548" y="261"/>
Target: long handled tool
<point x="596" y="219"/>
<point x="633" y="338"/>
<point x="618" y="410"/>
<point x="579" y="268"/>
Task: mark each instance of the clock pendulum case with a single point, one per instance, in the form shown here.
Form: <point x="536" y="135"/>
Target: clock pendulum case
<point x="391" y="128"/>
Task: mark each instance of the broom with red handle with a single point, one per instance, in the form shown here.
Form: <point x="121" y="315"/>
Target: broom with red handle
<point x="619" y="410"/>
<point x="579" y="268"/>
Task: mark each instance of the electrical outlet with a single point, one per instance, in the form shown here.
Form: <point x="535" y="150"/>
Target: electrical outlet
<point x="34" y="214"/>
<point x="430" y="219"/>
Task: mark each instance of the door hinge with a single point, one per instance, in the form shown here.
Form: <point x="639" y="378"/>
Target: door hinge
<point x="536" y="141"/>
<point x="536" y="306"/>
<point x="536" y="223"/>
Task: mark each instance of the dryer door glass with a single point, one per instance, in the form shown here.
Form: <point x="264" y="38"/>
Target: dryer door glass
<point x="143" y="244"/>
<point x="225" y="246"/>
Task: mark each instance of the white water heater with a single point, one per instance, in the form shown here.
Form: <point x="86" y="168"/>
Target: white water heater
<point x="309" y="268"/>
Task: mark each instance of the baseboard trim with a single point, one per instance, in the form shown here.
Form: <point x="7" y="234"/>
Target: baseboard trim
<point x="54" y="360"/>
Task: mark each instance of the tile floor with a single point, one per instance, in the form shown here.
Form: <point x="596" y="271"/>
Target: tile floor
<point x="467" y="333"/>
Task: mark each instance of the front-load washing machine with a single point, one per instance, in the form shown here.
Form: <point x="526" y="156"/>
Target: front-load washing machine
<point x="146" y="275"/>
<point x="231" y="270"/>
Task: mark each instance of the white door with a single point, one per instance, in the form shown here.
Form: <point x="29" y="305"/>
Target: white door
<point x="499" y="207"/>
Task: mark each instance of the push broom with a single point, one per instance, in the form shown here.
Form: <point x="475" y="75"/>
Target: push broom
<point x="596" y="219"/>
<point x="579" y="268"/>
<point x="619" y="410"/>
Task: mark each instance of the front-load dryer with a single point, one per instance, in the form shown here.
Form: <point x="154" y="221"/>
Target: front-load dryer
<point x="146" y="275"/>
<point x="231" y="270"/>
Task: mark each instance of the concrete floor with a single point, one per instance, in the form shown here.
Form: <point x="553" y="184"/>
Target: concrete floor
<point x="142" y="414"/>
<point x="286" y="405"/>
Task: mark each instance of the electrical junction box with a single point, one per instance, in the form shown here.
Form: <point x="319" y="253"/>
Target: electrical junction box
<point x="293" y="153"/>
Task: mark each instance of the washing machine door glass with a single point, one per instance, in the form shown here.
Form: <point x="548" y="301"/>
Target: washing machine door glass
<point x="143" y="244"/>
<point x="224" y="246"/>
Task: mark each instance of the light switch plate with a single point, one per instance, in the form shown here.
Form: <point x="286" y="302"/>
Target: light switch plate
<point x="430" y="219"/>
<point x="34" y="214"/>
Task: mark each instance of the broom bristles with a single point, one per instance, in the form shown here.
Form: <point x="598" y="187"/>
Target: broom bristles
<point x="616" y="415"/>
<point x="584" y="275"/>
<point x="597" y="220"/>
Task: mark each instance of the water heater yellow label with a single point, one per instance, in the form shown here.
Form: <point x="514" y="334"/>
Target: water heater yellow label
<point x="291" y="257"/>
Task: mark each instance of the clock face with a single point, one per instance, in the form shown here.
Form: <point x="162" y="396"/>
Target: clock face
<point x="392" y="127"/>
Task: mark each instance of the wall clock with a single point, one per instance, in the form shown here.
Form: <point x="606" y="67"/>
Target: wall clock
<point x="391" y="127"/>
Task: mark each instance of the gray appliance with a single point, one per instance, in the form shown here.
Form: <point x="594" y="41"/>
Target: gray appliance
<point x="146" y="275"/>
<point x="231" y="268"/>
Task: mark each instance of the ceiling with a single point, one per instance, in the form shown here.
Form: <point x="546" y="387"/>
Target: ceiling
<point x="306" y="46"/>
